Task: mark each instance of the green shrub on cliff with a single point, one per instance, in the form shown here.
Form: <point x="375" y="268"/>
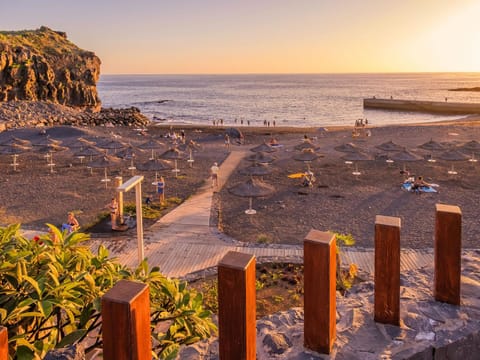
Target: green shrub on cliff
<point x="50" y="295"/>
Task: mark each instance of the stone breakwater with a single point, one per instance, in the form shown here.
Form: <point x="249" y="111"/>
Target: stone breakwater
<point x="19" y="114"/>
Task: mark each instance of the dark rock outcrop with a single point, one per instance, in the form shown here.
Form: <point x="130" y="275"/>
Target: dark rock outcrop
<point x="43" y="65"/>
<point x="18" y="114"/>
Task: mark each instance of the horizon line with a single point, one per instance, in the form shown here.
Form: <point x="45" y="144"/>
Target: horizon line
<point x="301" y="73"/>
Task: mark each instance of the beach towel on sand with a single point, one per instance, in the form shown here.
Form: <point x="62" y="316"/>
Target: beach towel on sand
<point x="296" y="175"/>
<point x="427" y="189"/>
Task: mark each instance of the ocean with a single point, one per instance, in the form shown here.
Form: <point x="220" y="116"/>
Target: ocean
<point x="289" y="100"/>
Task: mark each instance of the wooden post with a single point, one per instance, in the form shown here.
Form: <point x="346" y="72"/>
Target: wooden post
<point x="448" y="247"/>
<point x="236" y="306"/>
<point x="387" y="270"/>
<point x="118" y="183"/>
<point x="139" y="212"/>
<point x="126" y="322"/>
<point x="320" y="266"/>
<point x="3" y="343"/>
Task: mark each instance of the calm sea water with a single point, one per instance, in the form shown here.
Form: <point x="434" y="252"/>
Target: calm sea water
<point x="292" y="100"/>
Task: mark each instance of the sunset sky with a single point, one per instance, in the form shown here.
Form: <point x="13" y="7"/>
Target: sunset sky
<point x="262" y="36"/>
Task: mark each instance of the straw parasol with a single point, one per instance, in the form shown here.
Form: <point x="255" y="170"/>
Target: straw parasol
<point x="252" y="188"/>
<point x="49" y="150"/>
<point x="473" y="145"/>
<point x="347" y="148"/>
<point x="47" y="141"/>
<point x="153" y="145"/>
<point x="389" y="146"/>
<point x="155" y="165"/>
<point x="265" y="148"/>
<point x="104" y="162"/>
<point x="307" y="155"/>
<point x="453" y="155"/>
<point x="405" y="156"/>
<point x="354" y="157"/>
<point x="432" y="146"/>
<point x="173" y="154"/>
<point x="14" y="150"/>
<point x="111" y="144"/>
<point x="191" y="146"/>
<point x="13" y="140"/>
<point x="256" y="169"/>
<point x="305" y="145"/>
<point x="261" y="157"/>
<point x="79" y="143"/>
<point x="90" y="151"/>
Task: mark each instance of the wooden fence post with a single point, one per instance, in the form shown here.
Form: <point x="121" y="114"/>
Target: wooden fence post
<point x="320" y="265"/>
<point x="126" y="322"/>
<point x="119" y="196"/>
<point x="387" y="270"/>
<point x="3" y="343"/>
<point x="448" y="247"/>
<point x="237" y="306"/>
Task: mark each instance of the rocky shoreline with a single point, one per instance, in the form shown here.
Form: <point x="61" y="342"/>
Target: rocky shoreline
<point x="28" y="114"/>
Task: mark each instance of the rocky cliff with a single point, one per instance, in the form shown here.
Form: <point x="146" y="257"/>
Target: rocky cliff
<point x="43" y="65"/>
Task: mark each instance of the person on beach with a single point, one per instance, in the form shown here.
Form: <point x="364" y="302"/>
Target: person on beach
<point x="214" y="171"/>
<point x="113" y="207"/>
<point x="227" y="141"/>
<point x="72" y="223"/>
<point x="161" y="190"/>
<point x="418" y="183"/>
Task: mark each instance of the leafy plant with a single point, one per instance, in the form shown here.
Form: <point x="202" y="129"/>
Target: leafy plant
<point x="264" y="239"/>
<point x="345" y="277"/>
<point x="51" y="289"/>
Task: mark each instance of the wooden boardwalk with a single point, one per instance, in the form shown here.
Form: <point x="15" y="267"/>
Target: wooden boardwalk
<point x="182" y="242"/>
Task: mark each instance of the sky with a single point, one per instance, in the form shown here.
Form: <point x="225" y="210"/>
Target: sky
<point x="262" y="36"/>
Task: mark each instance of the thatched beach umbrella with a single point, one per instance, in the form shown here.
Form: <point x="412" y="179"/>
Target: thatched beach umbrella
<point x="405" y="156"/>
<point x="153" y="145"/>
<point x="114" y="145"/>
<point x="105" y="162"/>
<point x="190" y="146"/>
<point x="256" y="169"/>
<point x="307" y="155"/>
<point x="14" y="150"/>
<point x="47" y="141"/>
<point x="307" y="144"/>
<point x="453" y="155"/>
<point x="432" y="146"/>
<point x="12" y="140"/>
<point x="389" y="146"/>
<point x="265" y="148"/>
<point x="89" y="151"/>
<point x="173" y="154"/>
<point x="355" y="157"/>
<point x="155" y="165"/>
<point x="79" y="143"/>
<point x="49" y="150"/>
<point x="252" y="188"/>
<point x="128" y="153"/>
<point x="347" y="148"/>
<point x="261" y="157"/>
<point x="471" y="147"/>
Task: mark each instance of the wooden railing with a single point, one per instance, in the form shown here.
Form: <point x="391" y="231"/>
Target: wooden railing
<point x="126" y="307"/>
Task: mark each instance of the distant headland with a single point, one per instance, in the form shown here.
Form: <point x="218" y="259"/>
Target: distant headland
<point x="47" y="80"/>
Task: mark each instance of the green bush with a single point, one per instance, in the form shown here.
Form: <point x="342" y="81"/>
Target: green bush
<point x="51" y="289"/>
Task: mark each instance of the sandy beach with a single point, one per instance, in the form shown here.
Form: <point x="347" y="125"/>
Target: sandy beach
<point x="338" y="201"/>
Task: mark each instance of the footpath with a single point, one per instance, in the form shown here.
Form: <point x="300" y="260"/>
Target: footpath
<point x="184" y="242"/>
